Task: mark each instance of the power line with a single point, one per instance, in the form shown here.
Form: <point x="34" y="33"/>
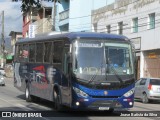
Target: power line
<point x="118" y="17"/>
<point x="100" y="12"/>
<point x="139" y="26"/>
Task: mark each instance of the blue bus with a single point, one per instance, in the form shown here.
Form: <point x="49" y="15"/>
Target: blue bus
<point x="80" y="70"/>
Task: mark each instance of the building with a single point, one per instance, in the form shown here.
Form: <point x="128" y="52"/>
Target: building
<point x="43" y="24"/>
<point x="75" y="15"/>
<point x="37" y="20"/>
<point x="14" y="37"/>
<point x="139" y="21"/>
<point x="28" y="17"/>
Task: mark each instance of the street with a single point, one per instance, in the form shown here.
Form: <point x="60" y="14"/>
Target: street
<point x="13" y="100"/>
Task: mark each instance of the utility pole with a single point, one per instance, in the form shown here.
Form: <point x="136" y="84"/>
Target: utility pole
<point x="54" y="15"/>
<point x="3" y="41"/>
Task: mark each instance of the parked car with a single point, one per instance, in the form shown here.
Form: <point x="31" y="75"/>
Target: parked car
<point x="2" y="81"/>
<point x="2" y="71"/>
<point x="147" y="89"/>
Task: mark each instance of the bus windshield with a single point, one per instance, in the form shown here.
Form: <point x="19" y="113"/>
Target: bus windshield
<point x="119" y="58"/>
<point x="95" y="57"/>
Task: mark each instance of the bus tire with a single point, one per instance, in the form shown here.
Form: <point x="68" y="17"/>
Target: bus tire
<point x="57" y="98"/>
<point x="27" y="94"/>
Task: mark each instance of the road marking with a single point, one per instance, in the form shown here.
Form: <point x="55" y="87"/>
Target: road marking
<point x="16" y="100"/>
<point x="12" y="104"/>
<point x="23" y="106"/>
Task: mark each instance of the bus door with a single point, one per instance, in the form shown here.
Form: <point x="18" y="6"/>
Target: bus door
<point x="66" y="87"/>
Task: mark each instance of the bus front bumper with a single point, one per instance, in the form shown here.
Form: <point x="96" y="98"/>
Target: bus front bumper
<point x="103" y="103"/>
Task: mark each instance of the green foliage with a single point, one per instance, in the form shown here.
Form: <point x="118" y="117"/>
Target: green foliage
<point x="26" y="4"/>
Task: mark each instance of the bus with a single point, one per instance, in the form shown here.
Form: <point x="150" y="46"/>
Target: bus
<point x="79" y="70"/>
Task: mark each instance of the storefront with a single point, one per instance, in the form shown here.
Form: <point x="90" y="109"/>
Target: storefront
<point x="151" y="63"/>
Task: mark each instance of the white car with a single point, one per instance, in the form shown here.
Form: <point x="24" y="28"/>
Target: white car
<point x="2" y="82"/>
<point x="2" y="71"/>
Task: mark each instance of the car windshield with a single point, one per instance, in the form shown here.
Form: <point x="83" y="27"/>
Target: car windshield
<point x="94" y="57"/>
<point x="155" y="81"/>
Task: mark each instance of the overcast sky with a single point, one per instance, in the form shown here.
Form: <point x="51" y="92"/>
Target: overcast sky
<point x="12" y="15"/>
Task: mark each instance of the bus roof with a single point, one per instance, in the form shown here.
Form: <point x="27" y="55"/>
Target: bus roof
<point x="74" y="35"/>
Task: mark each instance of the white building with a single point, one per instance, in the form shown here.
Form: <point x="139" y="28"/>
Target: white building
<point x="139" y="20"/>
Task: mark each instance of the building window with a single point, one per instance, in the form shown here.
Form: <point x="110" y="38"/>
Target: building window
<point x="108" y="28"/>
<point x="151" y="21"/>
<point x="120" y="28"/>
<point x="135" y="25"/>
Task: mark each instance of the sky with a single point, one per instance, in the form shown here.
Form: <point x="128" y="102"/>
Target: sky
<point x="12" y="16"/>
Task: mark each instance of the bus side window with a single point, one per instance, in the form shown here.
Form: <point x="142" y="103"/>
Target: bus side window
<point x="25" y="53"/>
<point x="39" y="52"/>
<point x="19" y="56"/>
<point x="57" y="54"/>
<point x="66" y="60"/>
<point x="47" y="51"/>
<point x="32" y="53"/>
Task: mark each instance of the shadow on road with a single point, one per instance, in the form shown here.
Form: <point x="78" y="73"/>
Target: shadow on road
<point x="151" y="101"/>
<point x="67" y="113"/>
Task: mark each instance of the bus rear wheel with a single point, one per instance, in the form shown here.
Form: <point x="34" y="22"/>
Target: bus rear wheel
<point x="27" y="94"/>
<point x="57" y="100"/>
<point x="29" y="97"/>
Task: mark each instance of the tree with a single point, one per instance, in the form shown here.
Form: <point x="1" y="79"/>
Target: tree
<point x="26" y="4"/>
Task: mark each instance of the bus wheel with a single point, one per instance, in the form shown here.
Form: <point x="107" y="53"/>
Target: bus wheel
<point x="27" y="94"/>
<point x="57" y="101"/>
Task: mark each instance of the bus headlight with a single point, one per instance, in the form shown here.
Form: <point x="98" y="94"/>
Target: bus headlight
<point x="129" y="93"/>
<point x="80" y="92"/>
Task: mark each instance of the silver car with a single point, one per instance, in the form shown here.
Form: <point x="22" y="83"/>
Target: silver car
<point x="147" y="89"/>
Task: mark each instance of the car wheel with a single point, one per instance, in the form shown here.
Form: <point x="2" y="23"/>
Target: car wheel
<point x="145" y="98"/>
<point x="57" y="100"/>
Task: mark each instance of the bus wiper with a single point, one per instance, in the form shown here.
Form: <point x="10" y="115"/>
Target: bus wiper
<point x="115" y="72"/>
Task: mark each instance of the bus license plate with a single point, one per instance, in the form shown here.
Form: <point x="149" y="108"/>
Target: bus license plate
<point x="103" y="108"/>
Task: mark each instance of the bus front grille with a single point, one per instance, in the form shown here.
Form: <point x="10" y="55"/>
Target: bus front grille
<point x="105" y="103"/>
<point x="105" y="96"/>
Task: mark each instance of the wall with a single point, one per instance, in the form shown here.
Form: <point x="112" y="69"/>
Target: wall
<point x="80" y="14"/>
<point x="124" y="11"/>
<point x="139" y="9"/>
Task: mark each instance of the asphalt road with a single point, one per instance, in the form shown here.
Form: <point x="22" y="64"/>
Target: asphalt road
<point x="12" y="99"/>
